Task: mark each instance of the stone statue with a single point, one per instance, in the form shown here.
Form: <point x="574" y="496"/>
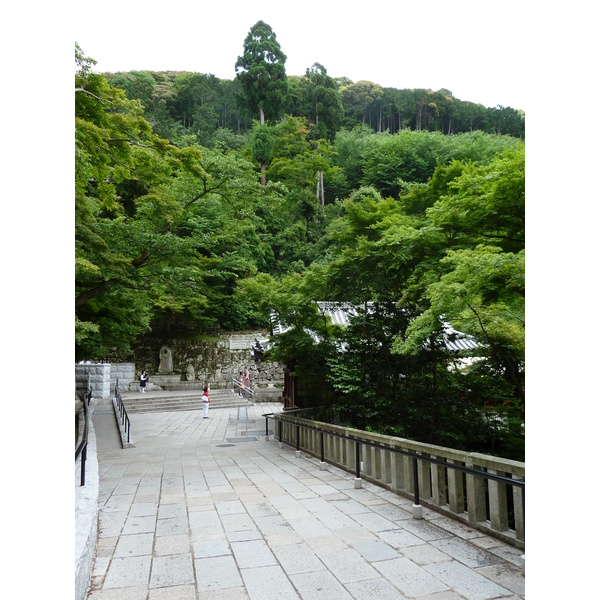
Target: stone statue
<point x="166" y="360"/>
<point x="189" y="372"/>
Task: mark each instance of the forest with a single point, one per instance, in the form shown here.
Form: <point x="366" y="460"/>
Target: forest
<point x="203" y="202"/>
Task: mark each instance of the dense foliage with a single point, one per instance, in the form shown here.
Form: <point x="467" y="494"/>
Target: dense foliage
<point x="406" y="204"/>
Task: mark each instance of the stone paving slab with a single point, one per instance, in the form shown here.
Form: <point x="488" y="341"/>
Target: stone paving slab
<point x="207" y="509"/>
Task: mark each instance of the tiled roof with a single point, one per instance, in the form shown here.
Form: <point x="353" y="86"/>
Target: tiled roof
<point x="341" y="313"/>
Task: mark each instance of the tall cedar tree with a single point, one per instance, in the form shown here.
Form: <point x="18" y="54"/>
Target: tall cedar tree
<point x="261" y="71"/>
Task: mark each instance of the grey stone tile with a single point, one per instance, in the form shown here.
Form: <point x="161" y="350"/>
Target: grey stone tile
<point x="424" y="530"/>
<point x="126" y="488"/>
<point x="105" y="546"/>
<point x="166" y="511"/>
<point x="323" y="490"/>
<point x="455" y="527"/>
<point x="172" y="526"/>
<point x="137" y="592"/>
<point x="308" y="527"/>
<point x="172" y="544"/>
<point x="374" y="522"/>
<point x="507" y="575"/>
<point x="180" y="592"/>
<point x="175" y="569"/>
<point x="139" y="525"/>
<point x="268" y="583"/>
<point x="321" y="585"/>
<point x="208" y="533"/>
<point x="449" y="595"/>
<point x="409" y="578"/>
<point x="392" y="512"/>
<point x="424" y="554"/>
<point x="374" y="589"/>
<point x="203" y="518"/>
<point x="143" y="509"/>
<point x="508" y="553"/>
<point x="374" y="550"/>
<point x="244" y="536"/>
<point x="349" y="506"/>
<point x="400" y="538"/>
<point x="486" y="542"/>
<point x="231" y="507"/>
<point x="465" y="552"/>
<point x="297" y="558"/>
<point x="127" y="572"/>
<point x="210" y="548"/>
<point x="335" y="520"/>
<point x="143" y="497"/>
<point x="217" y="573"/>
<point x="237" y="522"/>
<point x="111" y="523"/>
<point x="465" y="581"/>
<point x="260" y="509"/>
<point x="254" y="553"/>
<point x="353" y="535"/>
<point x="100" y="566"/>
<point x="136" y="544"/>
<point x="348" y="565"/>
<point x="118" y="502"/>
<point x="316" y="504"/>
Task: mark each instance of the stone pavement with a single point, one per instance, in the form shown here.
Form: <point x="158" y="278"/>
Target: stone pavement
<point x="209" y="509"/>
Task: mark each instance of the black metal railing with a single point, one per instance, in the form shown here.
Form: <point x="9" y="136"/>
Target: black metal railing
<point x="243" y="389"/>
<point x="122" y="411"/>
<point x="81" y="448"/>
<point x="416" y="457"/>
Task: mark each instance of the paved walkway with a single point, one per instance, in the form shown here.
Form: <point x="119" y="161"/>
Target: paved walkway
<point x="208" y="509"/>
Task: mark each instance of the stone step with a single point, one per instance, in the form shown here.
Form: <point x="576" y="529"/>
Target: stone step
<point x="171" y="406"/>
<point x="154" y="403"/>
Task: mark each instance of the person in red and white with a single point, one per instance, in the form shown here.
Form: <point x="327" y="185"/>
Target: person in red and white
<point x="205" y="403"/>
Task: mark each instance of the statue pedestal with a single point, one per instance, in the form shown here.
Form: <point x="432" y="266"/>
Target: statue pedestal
<point x="164" y="381"/>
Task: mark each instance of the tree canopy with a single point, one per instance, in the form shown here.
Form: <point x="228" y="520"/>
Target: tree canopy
<point x="408" y="205"/>
<point x="261" y="72"/>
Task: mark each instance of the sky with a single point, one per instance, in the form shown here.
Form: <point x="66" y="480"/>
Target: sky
<point x="472" y="48"/>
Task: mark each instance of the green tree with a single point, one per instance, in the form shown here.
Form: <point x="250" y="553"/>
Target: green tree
<point x="262" y="149"/>
<point x="261" y="72"/>
<point x="321" y="101"/>
<point x="361" y="102"/>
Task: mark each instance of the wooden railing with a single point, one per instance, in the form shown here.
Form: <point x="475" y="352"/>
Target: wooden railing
<point x="484" y="492"/>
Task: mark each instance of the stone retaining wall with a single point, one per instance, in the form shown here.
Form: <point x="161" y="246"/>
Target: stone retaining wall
<point x="125" y="372"/>
<point x="210" y="359"/>
<point x="99" y="377"/>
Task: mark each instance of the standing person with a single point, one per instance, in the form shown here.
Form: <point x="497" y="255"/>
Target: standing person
<point x="205" y="403"/>
<point x="241" y="382"/>
<point x="143" y="379"/>
<point x="246" y="378"/>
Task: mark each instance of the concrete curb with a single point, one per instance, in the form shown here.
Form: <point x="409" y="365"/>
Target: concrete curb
<point x="86" y="516"/>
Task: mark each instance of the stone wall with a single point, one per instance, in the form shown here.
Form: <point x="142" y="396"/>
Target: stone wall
<point x="209" y="359"/>
<point x="125" y="372"/>
<point x="99" y="377"/>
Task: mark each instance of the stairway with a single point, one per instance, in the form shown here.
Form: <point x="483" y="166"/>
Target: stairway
<point x="162" y="401"/>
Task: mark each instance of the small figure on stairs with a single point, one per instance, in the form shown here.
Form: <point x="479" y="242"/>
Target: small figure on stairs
<point x="143" y="379"/>
<point x="246" y="378"/>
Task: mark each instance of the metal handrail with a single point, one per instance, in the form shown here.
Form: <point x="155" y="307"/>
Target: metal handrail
<point x="122" y="410"/>
<point x="83" y="443"/>
<point x="242" y="386"/>
<point x="415" y="456"/>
